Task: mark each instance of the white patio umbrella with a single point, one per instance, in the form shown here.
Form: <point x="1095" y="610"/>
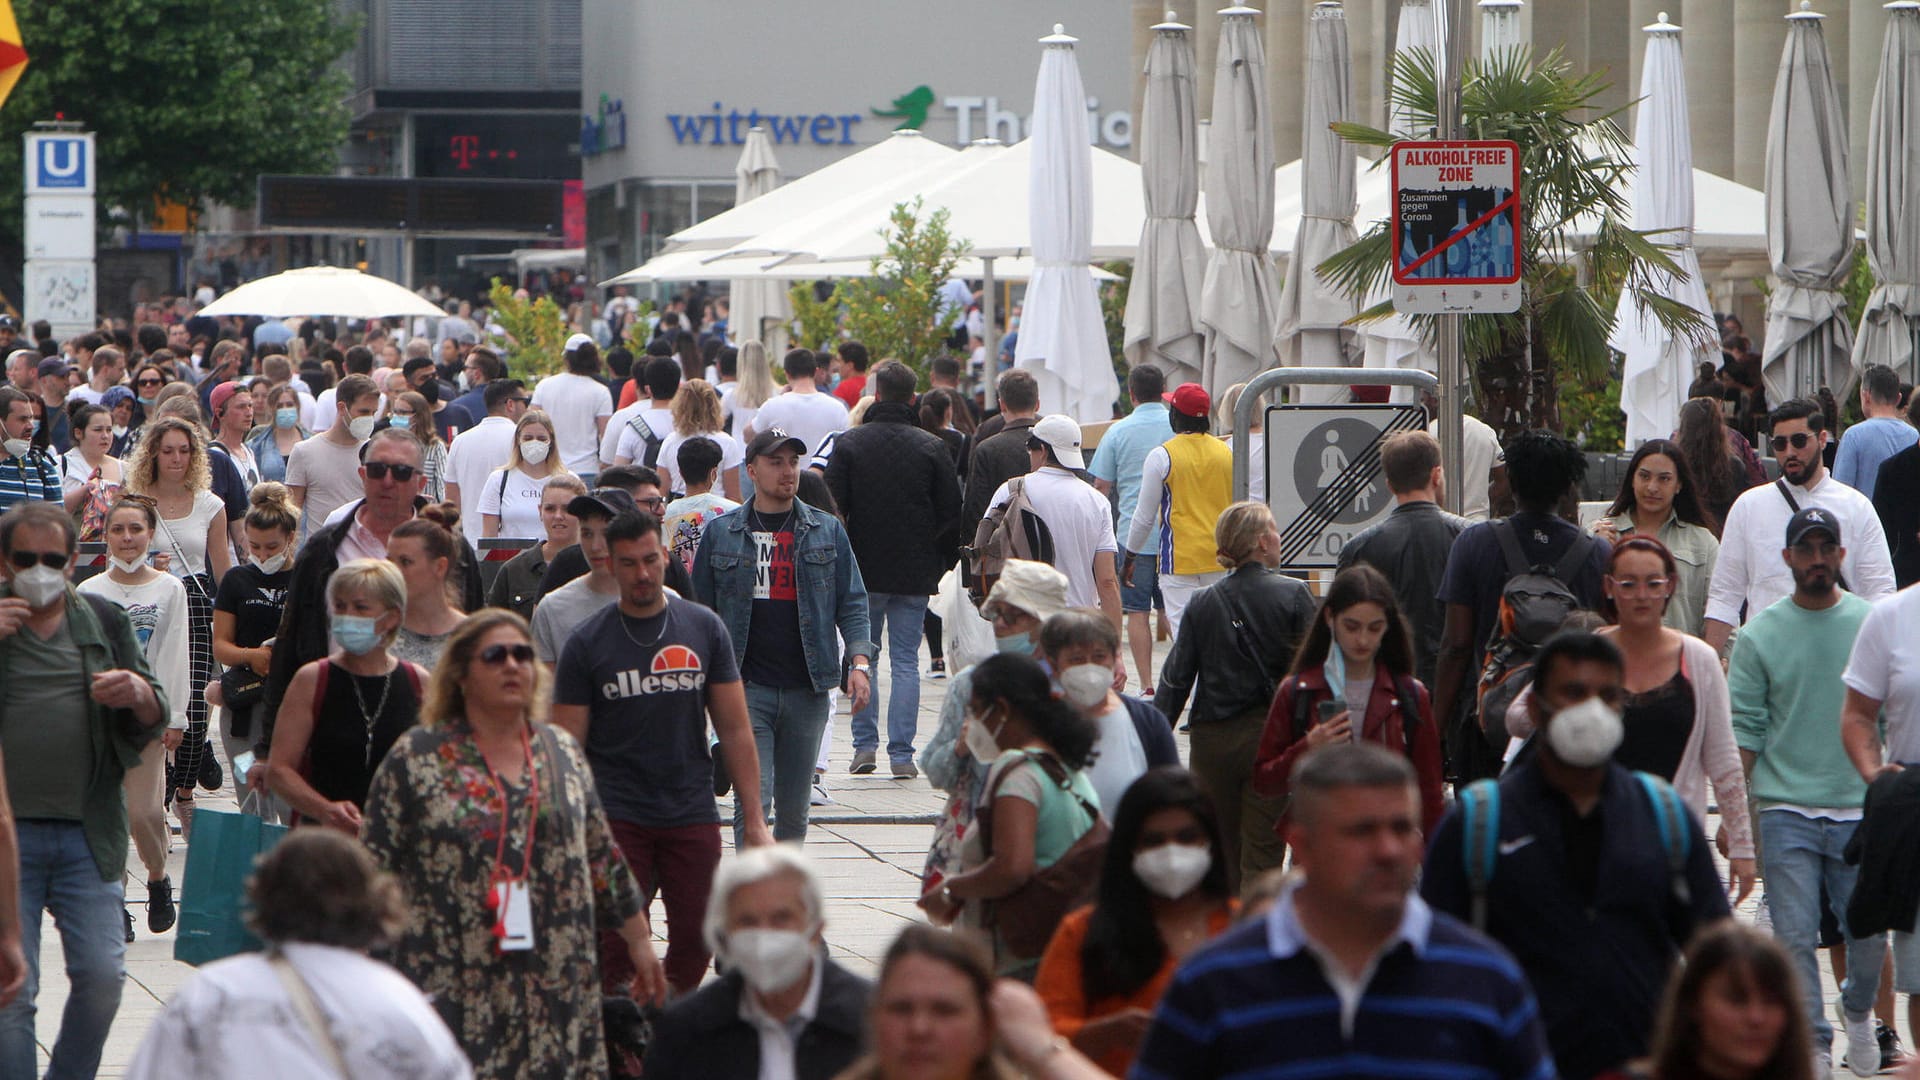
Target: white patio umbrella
<point x="1162" y="324"/>
<point x="1809" y="222"/>
<point x="323" y="290"/>
<point x="758" y="309"/>
<point x="1890" y="326"/>
<point x="690" y="266"/>
<point x="1314" y="330"/>
<point x="1239" y="299"/>
<point x="1393" y="342"/>
<point x="1659" y="366"/>
<point x="1063" y="339"/>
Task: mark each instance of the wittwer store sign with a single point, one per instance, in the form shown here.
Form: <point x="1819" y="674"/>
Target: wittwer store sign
<point x="971" y="116"/>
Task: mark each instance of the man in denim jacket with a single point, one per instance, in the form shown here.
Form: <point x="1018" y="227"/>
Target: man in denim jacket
<point x="782" y="576"/>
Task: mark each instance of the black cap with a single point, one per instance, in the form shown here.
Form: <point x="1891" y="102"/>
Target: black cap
<point x="1812" y="519"/>
<point x="772" y="441"/>
<point x="606" y="502"/>
<point x="8" y="322"/>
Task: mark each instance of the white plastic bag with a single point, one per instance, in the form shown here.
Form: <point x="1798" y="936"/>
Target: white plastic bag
<point x="966" y="637"/>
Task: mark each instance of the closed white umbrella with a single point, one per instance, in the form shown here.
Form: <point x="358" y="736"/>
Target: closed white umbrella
<point x="1162" y="320"/>
<point x="1239" y="300"/>
<point x="1660" y="366"/>
<point x="1890" y="326"/>
<point x="1063" y="339"/>
<point x="1809" y="222"/>
<point x="1314" y="313"/>
<point x="758" y="309"/>
<point x="323" y="290"/>
<point x="1500" y="32"/>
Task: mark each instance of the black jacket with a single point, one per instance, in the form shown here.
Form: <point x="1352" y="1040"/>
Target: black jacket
<point x="1156" y="735"/>
<point x="899" y="495"/>
<point x="1278" y="611"/>
<point x="995" y="461"/>
<point x="1888" y="891"/>
<point x="1896" y="497"/>
<point x="1410" y="547"/>
<point x="304" y="633"/>
<point x="703" y="1036"/>
<point x="571" y="563"/>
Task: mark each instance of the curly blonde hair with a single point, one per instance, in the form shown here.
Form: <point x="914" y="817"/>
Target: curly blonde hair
<point x="143" y="466"/>
<point x="696" y="409"/>
<point x="446" y="700"/>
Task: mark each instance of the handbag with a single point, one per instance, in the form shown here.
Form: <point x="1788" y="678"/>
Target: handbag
<point x="213" y="892"/>
<point x="242" y="687"/>
<point x="1027" y="917"/>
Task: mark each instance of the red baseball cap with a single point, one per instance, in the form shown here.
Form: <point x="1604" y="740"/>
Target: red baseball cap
<point x="221" y="395"/>
<point x="1189" y="399"/>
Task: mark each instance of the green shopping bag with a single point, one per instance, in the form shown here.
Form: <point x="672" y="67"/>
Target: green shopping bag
<point x="213" y="895"/>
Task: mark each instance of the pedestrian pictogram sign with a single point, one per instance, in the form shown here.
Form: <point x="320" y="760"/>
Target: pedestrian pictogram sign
<point x="1324" y="482"/>
<point x="1456" y="227"/>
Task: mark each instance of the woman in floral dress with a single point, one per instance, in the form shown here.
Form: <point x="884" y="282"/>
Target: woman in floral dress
<point x="485" y="812"/>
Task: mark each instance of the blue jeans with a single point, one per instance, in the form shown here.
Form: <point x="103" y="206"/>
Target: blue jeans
<point x="903" y="618"/>
<point x="58" y="875"/>
<point x="786" y="732"/>
<point x="1797" y="853"/>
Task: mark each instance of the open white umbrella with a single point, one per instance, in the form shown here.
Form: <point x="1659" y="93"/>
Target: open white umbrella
<point x="691" y="266"/>
<point x="1314" y="330"/>
<point x="1890" y="326"/>
<point x="1239" y="300"/>
<point x="1809" y="222"/>
<point x="323" y="290"/>
<point x="1063" y="339"/>
<point x="758" y="309"/>
<point x="1659" y="366"/>
<point x="1162" y="326"/>
<point x="1393" y="342"/>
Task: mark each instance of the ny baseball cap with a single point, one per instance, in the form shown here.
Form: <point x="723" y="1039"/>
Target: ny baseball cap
<point x="1812" y="519"/>
<point x="578" y="340"/>
<point x="1063" y="435"/>
<point x="1189" y="399"/>
<point x="606" y="502"/>
<point x="772" y="441"/>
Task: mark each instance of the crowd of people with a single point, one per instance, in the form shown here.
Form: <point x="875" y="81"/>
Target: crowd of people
<point x="500" y="648"/>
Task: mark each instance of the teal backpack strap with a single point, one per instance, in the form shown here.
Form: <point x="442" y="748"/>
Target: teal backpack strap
<point x="1676" y="831"/>
<point x="1480" y="841"/>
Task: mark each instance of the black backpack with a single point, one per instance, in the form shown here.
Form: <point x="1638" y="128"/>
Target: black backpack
<point x="650" y="451"/>
<point x="1534" y="603"/>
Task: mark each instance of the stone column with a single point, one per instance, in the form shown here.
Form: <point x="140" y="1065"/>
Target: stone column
<point x="1707" y="41"/>
<point x="1759" y="36"/>
<point x="1866" y="33"/>
<point x="1284" y="28"/>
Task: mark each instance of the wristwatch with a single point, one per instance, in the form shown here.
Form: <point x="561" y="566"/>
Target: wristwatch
<point x="861" y="668"/>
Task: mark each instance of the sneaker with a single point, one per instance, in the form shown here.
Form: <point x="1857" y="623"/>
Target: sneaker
<point x="1863" y="1048"/>
<point x="820" y="796"/>
<point x="128" y="915"/>
<point x="938" y="670"/>
<point x="905" y="770"/>
<point x="160" y="909"/>
<point x="1822" y="1064"/>
<point x="1892" y="1056"/>
<point x="862" y="763"/>
<point x="209" y="773"/>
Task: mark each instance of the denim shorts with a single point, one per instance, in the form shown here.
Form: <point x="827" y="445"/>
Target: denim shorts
<point x="1144" y="593"/>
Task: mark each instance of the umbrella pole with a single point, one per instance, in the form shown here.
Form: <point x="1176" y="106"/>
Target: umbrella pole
<point x="989" y="368"/>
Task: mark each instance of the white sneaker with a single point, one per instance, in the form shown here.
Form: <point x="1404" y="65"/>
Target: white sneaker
<point x="820" y="796"/>
<point x="1863" y="1048"/>
<point x="1822" y="1064"/>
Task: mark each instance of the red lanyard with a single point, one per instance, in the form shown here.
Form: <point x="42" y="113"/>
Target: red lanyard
<point x="533" y="813"/>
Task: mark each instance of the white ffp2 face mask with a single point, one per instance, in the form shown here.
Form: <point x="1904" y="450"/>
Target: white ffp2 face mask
<point x="534" y="451"/>
<point x="1585" y="735"/>
<point x="770" y="960"/>
<point x="39" y="585"/>
<point x="1170" y="871"/>
<point x="361" y="427"/>
<point x="980" y="742"/>
<point x="126" y="566"/>
<point x="1085" y="685"/>
<point x="270" y="565"/>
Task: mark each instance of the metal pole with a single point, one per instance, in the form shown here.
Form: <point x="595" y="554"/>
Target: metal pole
<point x="1453" y="375"/>
<point x="1274" y="378"/>
<point x="990" y="367"/>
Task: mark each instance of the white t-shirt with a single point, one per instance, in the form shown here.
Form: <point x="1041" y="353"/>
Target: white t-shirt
<point x="732" y="454"/>
<point x="190" y="533"/>
<point x="330" y="473"/>
<point x="1119" y="758"/>
<point x="632" y="446"/>
<point x="516" y="502"/>
<point x="324" y="412"/>
<point x="1479" y="453"/>
<point x="85" y="392"/>
<point x="617" y="423"/>
<point x="575" y="402"/>
<point x="475" y="453"/>
<point x="1081" y="521"/>
<point x="234" y="1014"/>
<point x="1885" y="666"/>
<point x="811" y="417"/>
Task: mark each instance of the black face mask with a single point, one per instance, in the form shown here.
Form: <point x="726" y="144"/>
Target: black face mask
<point x="430" y="390"/>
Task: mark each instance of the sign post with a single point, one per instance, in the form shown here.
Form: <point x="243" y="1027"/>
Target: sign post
<point x="61" y="171"/>
<point x="1456" y="227"/>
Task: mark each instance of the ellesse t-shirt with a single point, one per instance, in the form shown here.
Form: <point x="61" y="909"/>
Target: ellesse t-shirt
<point x="644" y="682"/>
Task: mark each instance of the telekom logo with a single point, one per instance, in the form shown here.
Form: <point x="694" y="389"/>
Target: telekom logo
<point x="465" y="149"/>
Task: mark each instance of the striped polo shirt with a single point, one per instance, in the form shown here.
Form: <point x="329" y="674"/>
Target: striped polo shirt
<point x="29" y="478"/>
<point x="1438" y="1002"/>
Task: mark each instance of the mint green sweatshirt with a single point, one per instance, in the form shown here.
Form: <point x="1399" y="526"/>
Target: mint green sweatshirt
<point x="1785" y="685"/>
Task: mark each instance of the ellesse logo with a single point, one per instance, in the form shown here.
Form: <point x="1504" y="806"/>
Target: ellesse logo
<point x="674" y="668"/>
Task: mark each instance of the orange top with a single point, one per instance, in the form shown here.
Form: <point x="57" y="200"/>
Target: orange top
<point x="1059" y="983"/>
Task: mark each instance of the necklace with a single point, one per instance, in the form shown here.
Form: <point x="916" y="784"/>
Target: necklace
<point x="386" y="686"/>
<point x="759" y="523"/>
<point x="636" y="641"/>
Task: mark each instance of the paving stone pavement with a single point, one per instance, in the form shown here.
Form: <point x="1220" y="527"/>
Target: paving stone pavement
<point x="868" y="845"/>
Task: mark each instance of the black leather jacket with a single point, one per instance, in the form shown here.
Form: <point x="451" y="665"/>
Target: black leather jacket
<point x="1410" y="548"/>
<point x="1277" y="611"/>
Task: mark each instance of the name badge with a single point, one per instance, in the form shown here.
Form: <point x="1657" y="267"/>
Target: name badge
<point x="514" y="930"/>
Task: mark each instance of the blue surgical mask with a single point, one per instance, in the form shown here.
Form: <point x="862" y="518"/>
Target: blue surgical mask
<point x="1021" y="643"/>
<point x="287" y="417"/>
<point x="358" y="634"/>
<point x="145" y="402"/>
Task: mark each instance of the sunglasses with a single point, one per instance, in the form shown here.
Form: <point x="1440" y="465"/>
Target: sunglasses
<point x="495" y="655"/>
<point x="148" y="382"/>
<point x="1798" y="441"/>
<point x="378" y="470"/>
<point x="521" y="400"/>
<point x="25" y="560"/>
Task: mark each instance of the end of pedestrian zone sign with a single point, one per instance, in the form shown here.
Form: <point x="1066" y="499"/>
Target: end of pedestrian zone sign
<point x="1456" y="227"/>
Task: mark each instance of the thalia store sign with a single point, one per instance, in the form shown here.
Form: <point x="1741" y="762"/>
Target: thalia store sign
<point x="972" y="117"/>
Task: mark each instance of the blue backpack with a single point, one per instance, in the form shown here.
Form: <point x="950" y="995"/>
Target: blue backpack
<point x="1480" y="836"/>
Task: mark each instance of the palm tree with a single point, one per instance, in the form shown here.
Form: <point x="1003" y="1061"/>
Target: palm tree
<point x="1573" y="158"/>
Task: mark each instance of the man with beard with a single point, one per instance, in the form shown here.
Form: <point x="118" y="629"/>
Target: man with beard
<point x="1784" y="682"/>
<point x="1749" y="572"/>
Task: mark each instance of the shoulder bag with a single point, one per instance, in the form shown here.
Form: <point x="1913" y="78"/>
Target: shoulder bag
<point x="1027" y="917"/>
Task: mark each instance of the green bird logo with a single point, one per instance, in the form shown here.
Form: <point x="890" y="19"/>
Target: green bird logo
<point x="911" y="108"/>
